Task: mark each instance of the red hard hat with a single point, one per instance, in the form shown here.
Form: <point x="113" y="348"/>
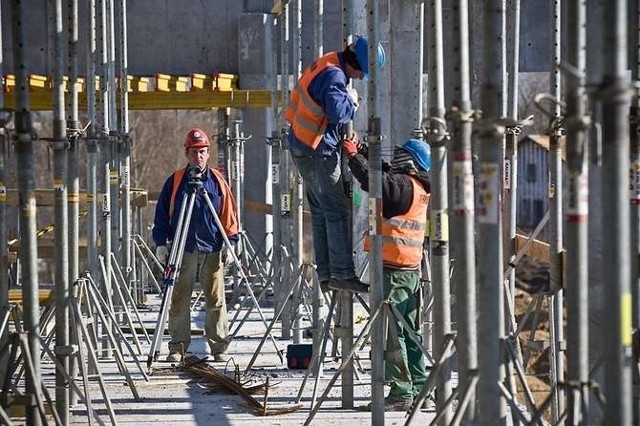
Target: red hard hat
<point x="196" y="138"/>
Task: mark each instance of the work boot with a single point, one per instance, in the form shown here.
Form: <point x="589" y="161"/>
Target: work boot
<point x="350" y="284"/>
<point x="221" y="357"/>
<point x="390" y="404"/>
<point x="176" y="351"/>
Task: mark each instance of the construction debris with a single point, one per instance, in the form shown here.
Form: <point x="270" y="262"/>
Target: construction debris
<point x="211" y="375"/>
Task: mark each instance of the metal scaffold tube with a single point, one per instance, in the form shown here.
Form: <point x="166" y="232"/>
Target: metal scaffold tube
<point x="125" y="139"/>
<point x="4" y="246"/>
<point x="105" y="150"/>
<point x="296" y="183"/>
<point x="634" y="184"/>
<point x="616" y="245"/>
<point x="92" y="146"/>
<point x="73" y="162"/>
<point x="24" y="147"/>
<point x="285" y="162"/>
<point x="345" y="306"/>
<point x="556" y="242"/>
<point x="375" y="221"/>
<point x="462" y="222"/>
<point x="576" y="217"/>
<point x="491" y="404"/>
<point x="437" y="136"/>
<point x="59" y="145"/>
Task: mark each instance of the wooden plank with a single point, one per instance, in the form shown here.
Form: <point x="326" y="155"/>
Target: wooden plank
<point x="538" y="250"/>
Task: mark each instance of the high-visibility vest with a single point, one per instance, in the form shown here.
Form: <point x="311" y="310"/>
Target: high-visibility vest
<point x="402" y="236"/>
<point x="308" y="120"/>
<point x="228" y="210"/>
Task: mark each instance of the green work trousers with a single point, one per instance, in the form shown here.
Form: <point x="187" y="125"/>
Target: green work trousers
<point x="207" y="268"/>
<point x="401" y="288"/>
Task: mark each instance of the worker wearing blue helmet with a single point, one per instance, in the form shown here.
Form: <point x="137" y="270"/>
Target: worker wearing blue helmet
<point x="405" y="197"/>
<point x="319" y="106"/>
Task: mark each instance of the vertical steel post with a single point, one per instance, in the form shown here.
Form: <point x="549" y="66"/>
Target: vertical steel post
<point x="463" y="220"/>
<point x="615" y="184"/>
<point x="274" y="157"/>
<point x="92" y="149"/>
<point x="27" y="205"/>
<point x="634" y="184"/>
<point x="59" y="145"/>
<point x="4" y="246"/>
<point x="346" y="297"/>
<point x="491" y="404"/>
<point x="296" y="187"/>
<point x="285" y="167"/>
<point x="375" y="221"/>
<point x="436" y="135"/>
<point x="114" y="139"/>
<point x="576" y="216"/>
<point x="556" y="240"/>
<point x="510" y="174"/>
<point x="105" y="105"/>
<point x="73" y="161"/>
<point x="125" y="140"/>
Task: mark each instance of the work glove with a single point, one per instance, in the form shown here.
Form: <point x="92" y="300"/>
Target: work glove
<point x="353" y="94"/>
<point x="162" y="254"/>
<point x="351" y="145"/>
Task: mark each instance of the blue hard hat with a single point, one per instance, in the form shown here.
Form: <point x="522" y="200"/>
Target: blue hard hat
<point x="420" y="152"/>
<point x="361" y="48"/>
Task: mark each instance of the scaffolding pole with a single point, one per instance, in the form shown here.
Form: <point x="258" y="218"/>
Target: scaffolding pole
<point x="24" y="147"/>
<point x="616" y="246"/>
<point x="491" y="403"/>
<point x="4" y="246"/>
<point x="463" y="220"/>
<point x="437" y="136"/>
<point x="375" y="220"/>
<point x="634" y="193"/>
<point x="556" y="240"/>
<point x="73" y="162"/>
<point x="59" y="144"/>
<point x="576" y="216"/>
<point x="124" y="140"/>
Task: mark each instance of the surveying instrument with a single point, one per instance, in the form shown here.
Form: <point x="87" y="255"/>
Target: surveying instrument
<point x="172" y="268"/>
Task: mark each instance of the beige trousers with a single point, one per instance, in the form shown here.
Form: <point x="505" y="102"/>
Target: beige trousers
<point x="207" y="268"/>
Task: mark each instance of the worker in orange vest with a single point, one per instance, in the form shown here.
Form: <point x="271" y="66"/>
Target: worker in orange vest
<point x="319" y="106"/>
<point x="201" y="259"/>
<point x="405" y="196"/>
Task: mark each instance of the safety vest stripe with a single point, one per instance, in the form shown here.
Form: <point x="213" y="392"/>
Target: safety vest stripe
<point x="311" y="126"/>
<point x="308" y="101"/>
<point x="399" y="240"/>
<point x="406" y="224"/>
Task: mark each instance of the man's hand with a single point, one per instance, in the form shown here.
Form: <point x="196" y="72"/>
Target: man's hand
<point x="353" y="94"/>
<point x="162" y="254"/>
<point x="351" y="146"/>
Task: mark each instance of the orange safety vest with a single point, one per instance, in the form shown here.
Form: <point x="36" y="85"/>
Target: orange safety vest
<point x="228" y="210"/>
<point x="402" y="236"/>
<point x="308" y="120"/>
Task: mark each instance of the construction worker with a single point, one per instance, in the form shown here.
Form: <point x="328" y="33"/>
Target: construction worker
<point x="319" y="106"/>
<point x="202" y="252"/>
<point x="405" y="196"/>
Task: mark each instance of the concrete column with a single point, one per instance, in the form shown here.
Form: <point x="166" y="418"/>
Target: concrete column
<point x="255" y="67"/>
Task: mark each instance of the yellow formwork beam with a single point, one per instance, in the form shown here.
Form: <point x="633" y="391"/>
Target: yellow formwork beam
<point x="161" y="92"/>
<point x="204" y="100"/>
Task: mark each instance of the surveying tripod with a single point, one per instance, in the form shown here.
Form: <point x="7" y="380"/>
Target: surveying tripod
<point x="172" y="268"/>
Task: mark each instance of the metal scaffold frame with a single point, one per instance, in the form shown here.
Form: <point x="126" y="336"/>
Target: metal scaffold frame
<point x="473" y="206"/>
